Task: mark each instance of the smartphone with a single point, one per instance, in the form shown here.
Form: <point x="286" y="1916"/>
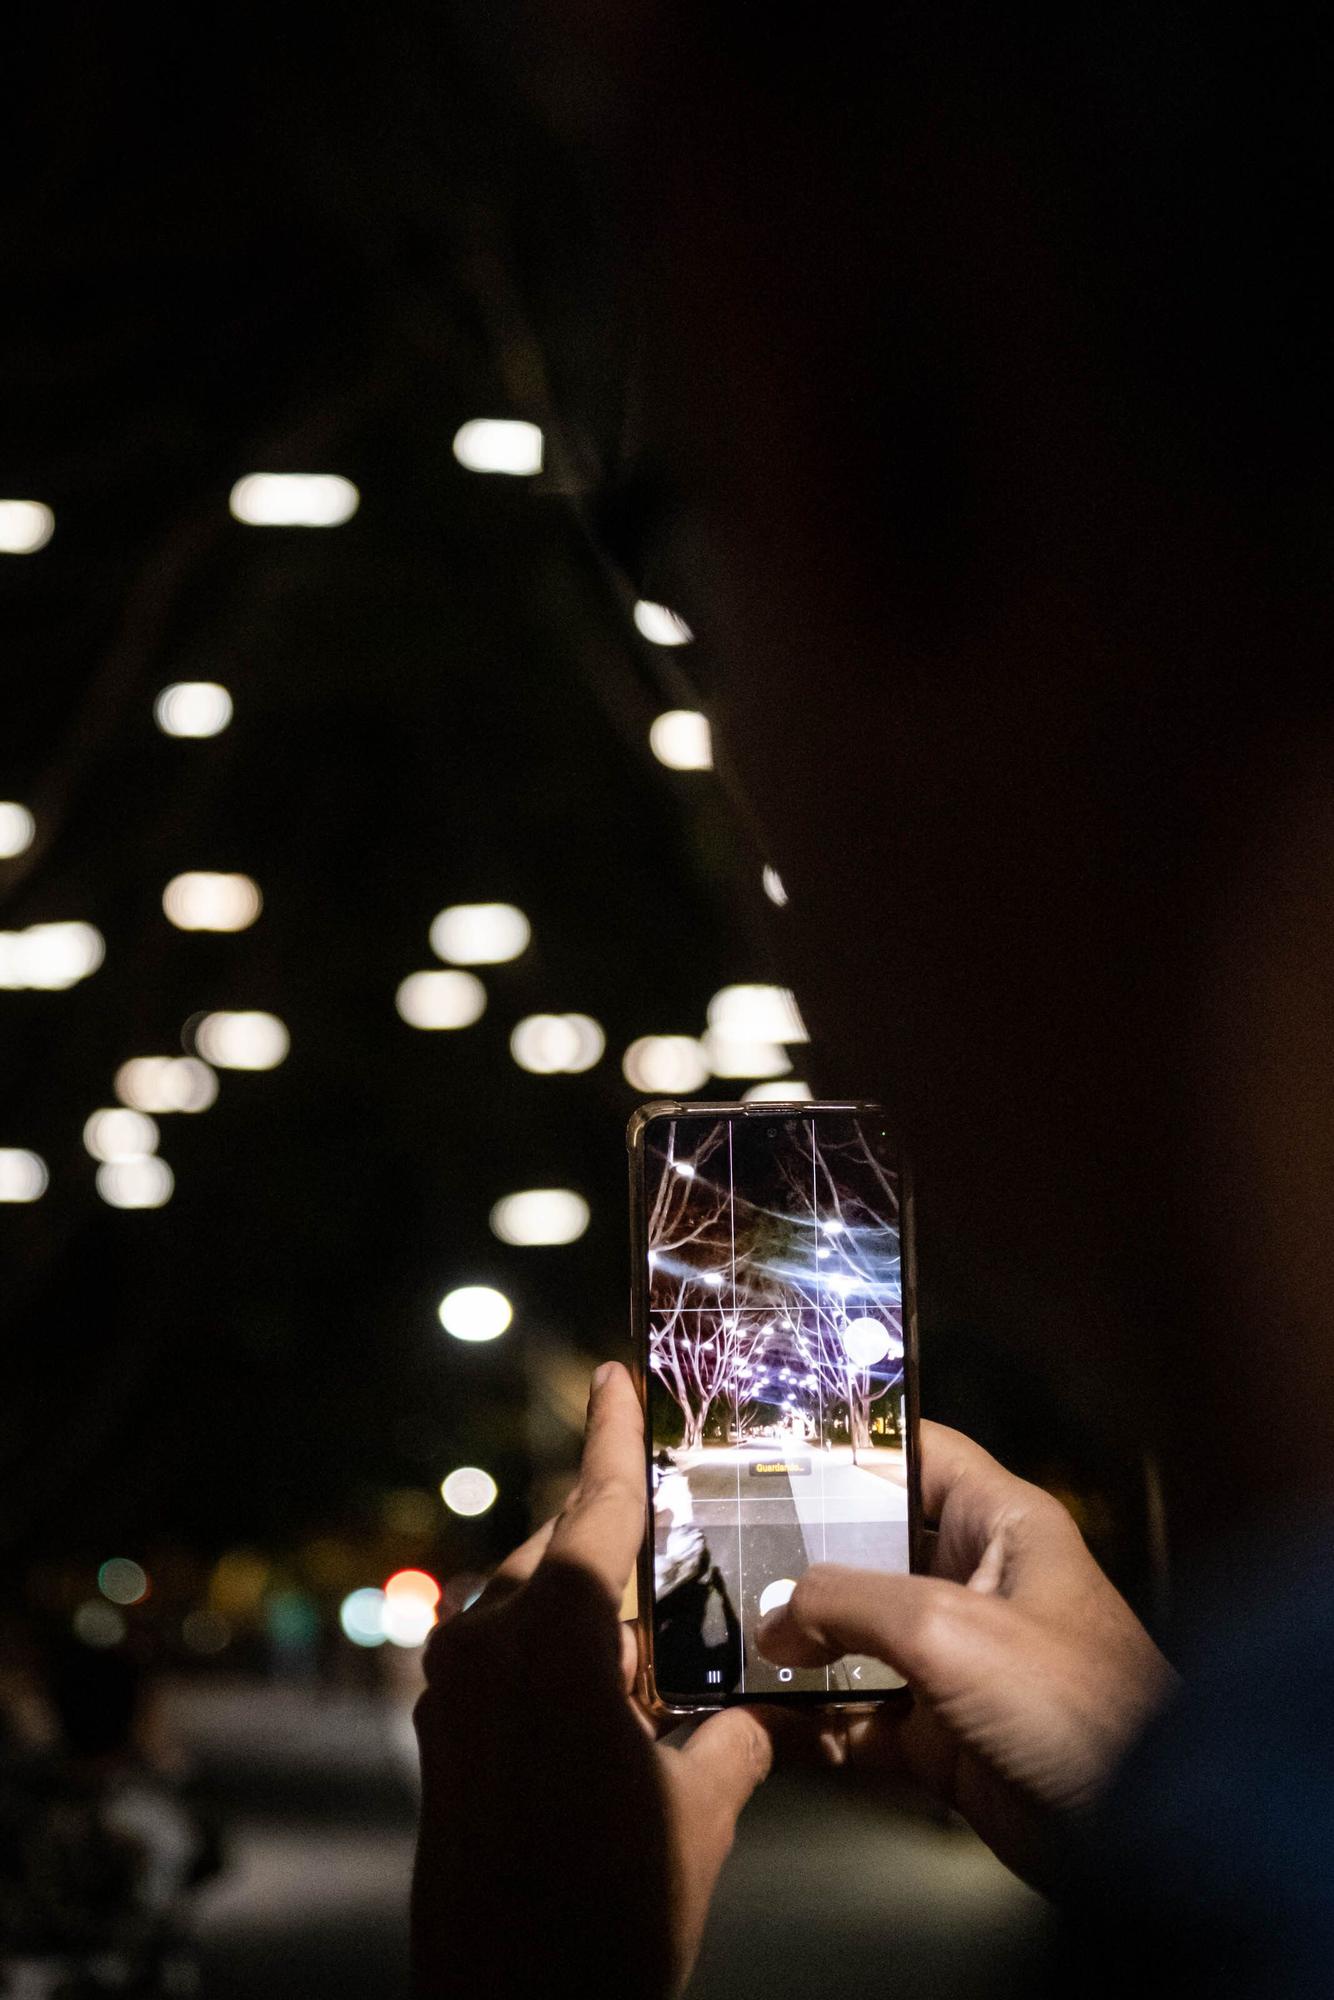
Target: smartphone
<point x="776" y="1345"/>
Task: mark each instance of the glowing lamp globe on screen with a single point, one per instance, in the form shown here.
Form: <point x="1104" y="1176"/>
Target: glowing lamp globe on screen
<point x="869" y="1341"/>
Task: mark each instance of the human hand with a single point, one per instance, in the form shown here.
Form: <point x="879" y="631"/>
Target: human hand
<point x="1030" y="1675"/>
<point x="555" y="1829"/>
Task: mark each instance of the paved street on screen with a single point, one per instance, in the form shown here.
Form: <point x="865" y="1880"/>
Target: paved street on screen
<point x="834" y="1512"/>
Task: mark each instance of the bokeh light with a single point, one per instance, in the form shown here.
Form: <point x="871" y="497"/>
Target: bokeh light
<point x="480" y="933"/>
<point x="660" y="626"/>
<point x="540" y="1215"/>
<point x="773" y="887"/>
<point x="25" y="526"/>
<point x="729" y="1057"/>
<point x="242" y="1041"/>
<point x="361" y="1615"/>
<point x="203" y="901"/>
<point x="166" y="1083"/>
<point x="120" y="1135"/>
<point x="756" y="1014"/>
<point x="682" y="740"/>
<point x="193" y="708"/>
<point x="410" y="1600"/>
<point x="237" y="1586"/>
<point x="665" y="1063"/>
<point x="415" y="1583"/>
<point x="48" y="958"/>
<point x="294" y="500"/>
<point x="441" y="999"/>
<point x="122" y="1581"/>
<point x="98" y="1624"/>
<point x="17" y="828"/>
<point x="23" y="1175"/>
<point x="146" y="1183"/>
<point x="786" y="1092"/>
<point x="407" y="1621"/>
<point x="469" y="1491"/>
<point x="557" y="1044"/>
<point x="475" y="1312"/>
<point x="499" y="444"/>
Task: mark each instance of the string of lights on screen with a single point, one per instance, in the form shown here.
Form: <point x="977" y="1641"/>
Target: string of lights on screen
<point x="747" y="1035"/>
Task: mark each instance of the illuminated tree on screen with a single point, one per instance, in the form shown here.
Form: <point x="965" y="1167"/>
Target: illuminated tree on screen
<point x="698" y="1344"/>
<point x="831" y="1262"/>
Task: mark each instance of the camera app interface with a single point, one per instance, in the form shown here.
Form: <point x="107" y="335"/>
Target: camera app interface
<point x="776" y="1399"/>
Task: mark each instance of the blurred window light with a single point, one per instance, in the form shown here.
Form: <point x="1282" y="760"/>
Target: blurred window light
<point x="682" y="740"/>
<point x="441" y="999"/>
<point x="475" y="1312"/>
<point x="23" y="1175"/>
<point x="468" y="1490"/>
<point x="480" y="933"/>
<point x="540" y="1215"/>
<point x="145" y="1183"/>
<point x="48" y="958"/>
<point x="361" y="1615"/>
<point x="242" y="1041"/>
<point x="202" y="901"/>
<point x="166" y="1083"/>
<point x="729" y="1057"/>
<point x="193" y="708"/>
<point x="660" y="626"/>
<point x="773" y="886"/>
<point x="499" y="444"/>
<point x="17" y="827"/>
<point x="120" y="1135"/>
<point x="25" y="526"/>
<point x="557" y="1044"/>
<point x="665" y="1063"/>
<point x="98" y="1624"/>
<point x="294" y="500"/>
<point x="122" y="1581"/>
<point x="756" y="1014"/>
<point x="786" y="1092"/>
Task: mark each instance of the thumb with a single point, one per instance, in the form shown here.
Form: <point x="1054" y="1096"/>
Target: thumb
<point x="727" y="1757"/>
<point x="922" y="1626"/>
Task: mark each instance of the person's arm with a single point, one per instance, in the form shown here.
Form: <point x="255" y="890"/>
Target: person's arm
<point x="560" y="1845"/>
<point x="1030" y="1675"/>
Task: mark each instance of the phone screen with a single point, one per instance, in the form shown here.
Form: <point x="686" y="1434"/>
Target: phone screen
<point x="778" y="1426"/>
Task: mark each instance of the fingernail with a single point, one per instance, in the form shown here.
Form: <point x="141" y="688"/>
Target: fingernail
<point x="602" y="1375"/>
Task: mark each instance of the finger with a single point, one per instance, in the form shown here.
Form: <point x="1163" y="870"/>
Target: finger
<point x="511" y="1575"/>
<point x="603" y="1522"/>
<point x="520" y="1563"/>
<point x="953" y="1466"/>
<point x="629" y="1658"/>
<point x="919" y="1625"/>
<point x="727" y="1757"/>
<point x="993" y="1527"/>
